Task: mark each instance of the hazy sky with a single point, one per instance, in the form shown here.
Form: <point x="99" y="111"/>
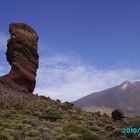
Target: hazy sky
<point x="84" y="45"/>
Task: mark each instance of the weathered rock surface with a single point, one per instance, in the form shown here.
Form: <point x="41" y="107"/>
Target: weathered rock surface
<point x="23" y="57"/>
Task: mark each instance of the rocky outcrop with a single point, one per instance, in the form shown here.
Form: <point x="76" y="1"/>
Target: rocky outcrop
<point x="23" y="57"/>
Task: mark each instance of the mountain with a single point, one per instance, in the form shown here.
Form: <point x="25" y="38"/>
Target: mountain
<point x="125" y="96"/>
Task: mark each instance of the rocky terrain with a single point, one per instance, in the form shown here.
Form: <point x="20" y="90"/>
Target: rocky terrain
<point x="125" y="97"/>
<point x="27" y="116"/>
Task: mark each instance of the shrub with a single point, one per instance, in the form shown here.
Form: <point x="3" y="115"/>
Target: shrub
<point x="46" y="136"/>
<point x="32" y="133"/>
<point x="4" y="135"/>
<point x="136" y="123"/>
<point x="61" y="137"/>
<point x="117" y="115"/>
<point x="58" y="129"/>
<point x="79" y="129"/>
<point x="90" y="136"/>
<point x="117" y="132"/>
<point x="74" y="128"/>
<point x="8" y="114"/>
<point x="51" y="114"/>
<point x="31" y="121"/>
<point x="18" y="135"/>
<point x="74" y="136"/>
<point x="109" y="128"/>
<point x="100" y="123"/>
<point x="43" y="130"/>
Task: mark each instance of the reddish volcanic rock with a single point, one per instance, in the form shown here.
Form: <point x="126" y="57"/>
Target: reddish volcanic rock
<point x="23" y="57"/>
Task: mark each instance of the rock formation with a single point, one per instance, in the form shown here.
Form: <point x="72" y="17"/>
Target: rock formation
<point x="23" y="57"/>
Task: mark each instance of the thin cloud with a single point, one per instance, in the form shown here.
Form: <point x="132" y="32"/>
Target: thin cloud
<point x="4" y="70"/>
<point x="3" y="41"/>
<point x="68" y="78"/>
<point x="4" y="66"/>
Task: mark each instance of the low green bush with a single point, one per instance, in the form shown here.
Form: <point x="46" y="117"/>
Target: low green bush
<point x="33" y="122"/>
<point x="32" y="133"/>
<point x="61" y="137"/>
<point x="74" y="136"/>
<point x="116" y="132"/>
<point x="89" y="135"/>
<point x="136" y="123"/>
<point x="4" y="135"/>
<point x="79" y="129"/>
<point x="51" y="114"/>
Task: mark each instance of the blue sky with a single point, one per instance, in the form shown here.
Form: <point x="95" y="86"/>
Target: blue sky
<point x="84" y="45"/>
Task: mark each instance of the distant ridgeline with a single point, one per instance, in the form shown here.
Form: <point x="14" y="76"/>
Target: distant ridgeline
<point x="125" y="96"/>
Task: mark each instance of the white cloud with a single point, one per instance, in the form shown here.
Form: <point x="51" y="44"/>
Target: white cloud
<point x="68" y="78"/>
<point x="5" y="67"/>
<point x="4" y="70"/>
<point x="3" y="41"/>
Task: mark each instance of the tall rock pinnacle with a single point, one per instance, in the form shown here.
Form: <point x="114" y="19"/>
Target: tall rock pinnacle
<point x="23" y="57"/>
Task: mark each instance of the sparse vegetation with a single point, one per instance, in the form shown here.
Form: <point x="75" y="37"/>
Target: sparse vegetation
<point x="4" y="135"/>
<point x="136" y="122"/>
<point x="40" y="118"/>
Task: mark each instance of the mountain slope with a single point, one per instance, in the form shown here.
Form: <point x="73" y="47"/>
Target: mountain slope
<point x="125" y="96"/>
<point x="26" y="116"/>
